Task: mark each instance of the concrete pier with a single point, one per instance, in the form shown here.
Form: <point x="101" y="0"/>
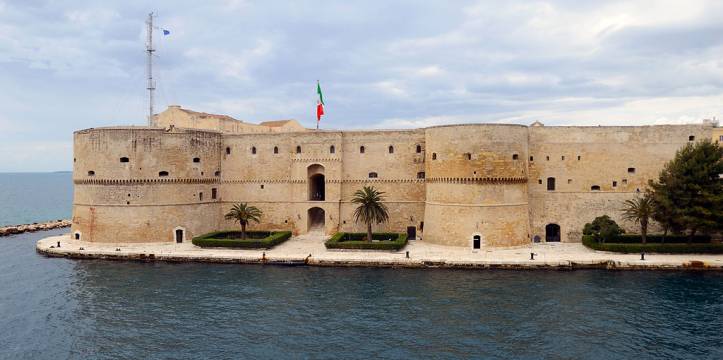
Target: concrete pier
<point x="310" y="250"/>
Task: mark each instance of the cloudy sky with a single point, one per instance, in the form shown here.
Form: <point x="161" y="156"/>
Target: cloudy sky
<point x="68" y="65"/>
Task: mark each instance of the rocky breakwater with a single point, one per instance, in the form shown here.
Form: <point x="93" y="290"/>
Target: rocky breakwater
<point x="19" y="229"/>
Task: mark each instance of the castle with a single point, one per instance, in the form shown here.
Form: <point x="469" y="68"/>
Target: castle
<point x="470" y="185"/>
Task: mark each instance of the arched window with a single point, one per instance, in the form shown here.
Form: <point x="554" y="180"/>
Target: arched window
<point x="163" y="173"/>
<point x="419" y="149"/>
<point x="420" y="175"/>
<point x="124" y="159"/>
<point x="550" y="184"/>
<point x="332" y="149"/>
<point x="253" y="150"/>
<point x="373" y="175"/>
<point x="361" y="149"/>
<point x="434" y="156"/>
<point x="197" y="160"/>
<point x="595" y="188"/>
<point x="391" y="149"/>
<point x="298" y="149"/>
<point x="276" y="149"/>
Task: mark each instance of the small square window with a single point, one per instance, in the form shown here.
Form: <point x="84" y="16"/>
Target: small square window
<point x="515" y="156"/>
<point x="532" y="158"/>
<point x="631" y="170"/>
<point x="547" y="158"/>
<point x="578" y="158"/>
<point x="563" y="157"/>
<point x="539" y="181"/>
<point x="615" y="183"/>
<point x="569" y="181"/>
<point x="691" y="138"/>
<point x="262" y="186"/>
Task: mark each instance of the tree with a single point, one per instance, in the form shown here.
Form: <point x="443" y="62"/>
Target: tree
<point x="689" y="190"/>
<point x="243" y="213"/>
<point x="603" y="228"/>
<point x="371" y="209"/>
<point x="639" y="210"/>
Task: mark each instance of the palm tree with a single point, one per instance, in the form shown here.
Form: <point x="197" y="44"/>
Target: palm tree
<point x="243" y="213"/>
<point x="370" y="209"/>
<point x="639" y="210"/>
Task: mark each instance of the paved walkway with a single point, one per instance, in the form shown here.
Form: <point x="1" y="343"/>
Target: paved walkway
<point x="309" y="249"/>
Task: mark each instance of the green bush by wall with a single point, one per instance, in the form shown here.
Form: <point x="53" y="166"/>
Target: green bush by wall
<point x="387" y="241"/>
<point x="232" y="239"/>
<point x="665" y="248"/>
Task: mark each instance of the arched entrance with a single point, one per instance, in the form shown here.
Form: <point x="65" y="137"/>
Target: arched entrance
<point x="317" y="218"/>
<point x="179" y="234"/>
<point x="552" y="233"/>
<point x="317" y="188"/>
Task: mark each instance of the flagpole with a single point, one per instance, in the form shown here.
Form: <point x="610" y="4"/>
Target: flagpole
<point x="151" y="85"/>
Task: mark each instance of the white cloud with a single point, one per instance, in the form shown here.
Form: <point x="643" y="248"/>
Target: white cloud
<point x="399" y="64"/>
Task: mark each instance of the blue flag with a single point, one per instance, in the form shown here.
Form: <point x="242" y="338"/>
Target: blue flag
<point x="166" y="32"/>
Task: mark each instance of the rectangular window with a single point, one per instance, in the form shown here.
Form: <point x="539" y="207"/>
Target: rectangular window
<point x="200" y="196"/>
<point x="550" y="184"/>
<point x="214" y="193"/>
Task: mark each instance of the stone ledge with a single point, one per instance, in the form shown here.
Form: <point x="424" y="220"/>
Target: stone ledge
<point x="298" y="251"/>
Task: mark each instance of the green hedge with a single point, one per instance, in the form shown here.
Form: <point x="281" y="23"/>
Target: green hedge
<point x="657" y="238"/>
<point x="667" y="248"/>
<point x="387" y="241"/>
<point x="232" y="239"/>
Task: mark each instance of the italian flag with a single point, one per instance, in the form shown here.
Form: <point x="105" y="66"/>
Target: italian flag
<point x="319" y="104"/>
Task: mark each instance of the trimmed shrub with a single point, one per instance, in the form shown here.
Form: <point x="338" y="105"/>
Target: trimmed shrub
<point x="666" y="248"/>
<point x="380" y="241"/>
<point x="658" y="239"/>
<point x="603" y="228"/>
<point x="232" y="239"/>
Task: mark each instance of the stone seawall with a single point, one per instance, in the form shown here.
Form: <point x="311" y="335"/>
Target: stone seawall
<point x="19" y="229"/>
<point x="417" y="254"/>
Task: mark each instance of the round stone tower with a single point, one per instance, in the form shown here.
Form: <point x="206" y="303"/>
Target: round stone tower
<point x="476" y="185"/>
<point x="145" y="184"/>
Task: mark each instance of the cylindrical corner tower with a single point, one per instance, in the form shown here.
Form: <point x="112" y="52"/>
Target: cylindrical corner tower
<point x="145" y="184"/>
<point x="476" y="185"/>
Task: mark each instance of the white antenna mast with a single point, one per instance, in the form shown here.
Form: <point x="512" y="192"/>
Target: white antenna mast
<point x="151" y="85"/>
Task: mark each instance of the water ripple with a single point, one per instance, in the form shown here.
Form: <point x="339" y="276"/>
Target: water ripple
<point x="57" y="308"/>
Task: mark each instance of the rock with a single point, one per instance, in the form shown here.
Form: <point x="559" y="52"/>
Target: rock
<point x="18" y="229"/>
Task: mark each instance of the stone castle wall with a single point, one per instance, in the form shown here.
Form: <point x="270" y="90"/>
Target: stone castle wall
<point x="448" y="183"/>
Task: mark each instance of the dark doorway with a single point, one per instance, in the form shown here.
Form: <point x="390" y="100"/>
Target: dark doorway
<point x="317" y="189"/>
<point x="476" y="242"/>
<point x="411" y="233"/>
<point x="552" y="233"/>
<point x="550" y="183"/>
<point x="179" y="236"/>
<point x="317" y="218"/>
